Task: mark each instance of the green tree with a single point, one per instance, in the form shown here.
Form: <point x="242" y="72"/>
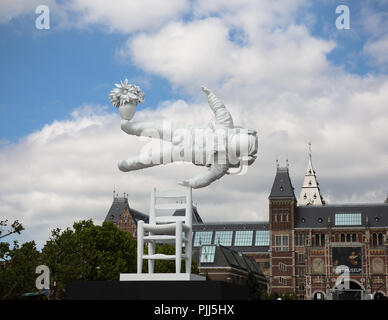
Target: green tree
<point x="15" y="227"/>
<point x="17" y="276"/>
<point x="168" y="266"/>
<point x="89" y="252"/>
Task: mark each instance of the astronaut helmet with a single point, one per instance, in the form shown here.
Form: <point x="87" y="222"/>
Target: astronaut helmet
<point x="243" y="144"/>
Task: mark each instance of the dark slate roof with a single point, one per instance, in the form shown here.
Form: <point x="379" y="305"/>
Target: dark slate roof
<point x="318" y="216"/>
<point x="282" y="186"/>
<point x="227" y="257"/>
<point x="238" y="225"/>
<point x="118" y="207"/>
<point x="196" y="217"/>
<point x="234" y="226"/>
<point x="137" y="215"/>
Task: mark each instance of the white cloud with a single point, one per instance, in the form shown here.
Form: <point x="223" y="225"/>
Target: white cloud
<point x="126" y="15"/>
<point x="377" y="50"/>
<point x="272" y="74"/>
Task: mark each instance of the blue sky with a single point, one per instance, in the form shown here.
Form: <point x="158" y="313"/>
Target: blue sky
<point x="281" y="67"/>
<point x="48" y="73"/>
<point x="45" y="74"/>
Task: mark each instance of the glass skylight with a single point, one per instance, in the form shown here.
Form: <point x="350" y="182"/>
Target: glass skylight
<point x="243" y="238"/>
<point x="203" y="237"/>
<point x="262" y="238"/>
<point x="223" y="238"/>
<point x="207" y="254"/>
<point x="348" y="219"/>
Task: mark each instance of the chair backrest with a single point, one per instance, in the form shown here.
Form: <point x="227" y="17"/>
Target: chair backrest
<point x="171" y="203"/>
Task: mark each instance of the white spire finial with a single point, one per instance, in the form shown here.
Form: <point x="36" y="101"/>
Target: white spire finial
<point x="310" y="193"/>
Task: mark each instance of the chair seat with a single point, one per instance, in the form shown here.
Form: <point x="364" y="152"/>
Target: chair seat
<point x="165" y="228"/>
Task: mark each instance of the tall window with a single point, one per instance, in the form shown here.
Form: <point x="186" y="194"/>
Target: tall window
<point x="319" y="240"/>
<point x="281" y="243"/>
<point x="380" y="239"/>
<point x="300" y="258"/>
<point x="377" y="239"/>
<point x="300" y="239"/>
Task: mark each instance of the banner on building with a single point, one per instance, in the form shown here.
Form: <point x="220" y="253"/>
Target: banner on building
<point x="348" y="256"/>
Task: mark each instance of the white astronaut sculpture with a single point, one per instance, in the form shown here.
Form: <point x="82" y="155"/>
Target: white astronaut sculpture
<point x="219" y="146"/>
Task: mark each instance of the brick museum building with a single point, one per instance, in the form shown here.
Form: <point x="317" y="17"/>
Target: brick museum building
<point x="302" y="249"/>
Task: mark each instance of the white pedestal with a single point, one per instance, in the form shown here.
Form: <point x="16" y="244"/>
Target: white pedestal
<point x="160" y="277"/>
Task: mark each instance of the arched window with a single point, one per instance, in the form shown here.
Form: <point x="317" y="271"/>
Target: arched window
<point x="380" y="239"/>
<point x="342" y="237"/>
<point x="374" y="240"/>
<point x="322" y="240"/>
<point x="317" y="240"/>
<point x="348" y="237"/>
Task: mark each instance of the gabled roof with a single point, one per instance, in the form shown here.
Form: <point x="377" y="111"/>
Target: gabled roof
<point x="119" y="205"/>
<point x="282" y="186"/>
<point x="196" y="217"/>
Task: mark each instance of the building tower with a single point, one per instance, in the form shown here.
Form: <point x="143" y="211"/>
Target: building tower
<point x="310" y="193"/>
<point x="282" y="204"/>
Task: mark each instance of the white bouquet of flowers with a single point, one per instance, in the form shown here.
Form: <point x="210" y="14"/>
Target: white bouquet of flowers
<point x="125" y="97"/>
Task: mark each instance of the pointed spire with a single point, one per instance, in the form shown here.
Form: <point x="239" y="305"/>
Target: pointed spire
<point x="310" y="193"/>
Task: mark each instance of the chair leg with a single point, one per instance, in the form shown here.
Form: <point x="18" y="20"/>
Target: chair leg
<point x="178" y="247"/>
<point x="151" y="262"/>
<point x="140" y="245"/>
<point x="188" y="252"/>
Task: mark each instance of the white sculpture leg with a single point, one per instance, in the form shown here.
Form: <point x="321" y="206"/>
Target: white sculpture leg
<point x="178" y="247"/>
<point x="140" y="245"/>
<point x="151" y="262"/>
<point x="188" y="251"/>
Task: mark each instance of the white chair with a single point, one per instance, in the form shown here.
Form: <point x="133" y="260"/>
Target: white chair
<point x="166" y="229"/>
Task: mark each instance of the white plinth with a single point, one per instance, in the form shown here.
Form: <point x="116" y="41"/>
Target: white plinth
<point x="160" y="277"/>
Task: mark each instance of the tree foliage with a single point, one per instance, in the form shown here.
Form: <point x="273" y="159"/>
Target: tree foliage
<point x="89" y="252"/>
<point x="17" y="274"/>
<point x="15" y="227"/>
<point x="168" y="266"/>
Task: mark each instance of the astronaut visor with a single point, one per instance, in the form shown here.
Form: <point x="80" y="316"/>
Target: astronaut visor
<point x="243" y="144"/>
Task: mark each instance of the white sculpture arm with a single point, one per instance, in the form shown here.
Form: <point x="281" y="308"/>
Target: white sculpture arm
<point x="222" y="115"/>
<point x="216" y="171"/>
